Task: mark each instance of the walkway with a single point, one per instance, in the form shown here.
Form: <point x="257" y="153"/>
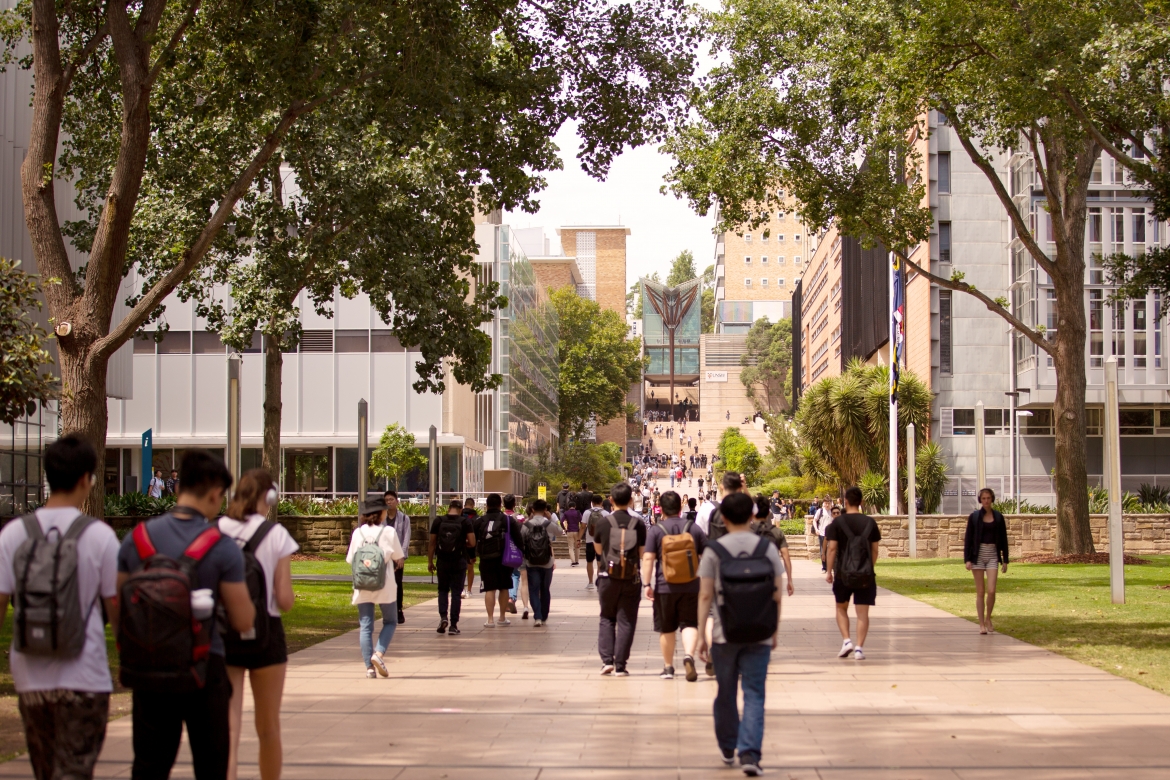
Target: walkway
<point x="934" y="700"/>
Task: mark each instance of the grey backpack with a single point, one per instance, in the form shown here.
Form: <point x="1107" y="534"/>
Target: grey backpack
<point x="369" y="564"/>
<point x="49" y="620"/>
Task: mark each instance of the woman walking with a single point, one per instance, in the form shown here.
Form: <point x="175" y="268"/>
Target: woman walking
<point x="265" y="658"/>
<point x="375" y="546"/>
<point x="985" y="550"/>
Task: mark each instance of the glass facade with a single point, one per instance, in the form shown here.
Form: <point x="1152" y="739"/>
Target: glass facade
<point x="683" y="304"/>
<point x="22" y="473"/>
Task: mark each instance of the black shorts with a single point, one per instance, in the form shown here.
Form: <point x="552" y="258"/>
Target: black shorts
<point x="862" y="596"/>
<point x="494" y="574"/>
<point x="590" y="552"/>
<point x="275" y="653"/>
<point x="673" y="611"/>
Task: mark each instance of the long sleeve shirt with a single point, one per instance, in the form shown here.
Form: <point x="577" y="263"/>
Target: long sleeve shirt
<point x="401" y="525"/>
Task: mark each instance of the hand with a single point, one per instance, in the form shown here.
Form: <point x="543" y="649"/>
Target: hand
<point x="701" y="650"/>
<point x="969" y="565"/>
<point x="829" y="576"/>
<point x="431" y="566"/>
<point x="775" y="640"/>
<point x="791" y="591"/>
<point x="1004" y="568"/>
<point x="650" y="592"/>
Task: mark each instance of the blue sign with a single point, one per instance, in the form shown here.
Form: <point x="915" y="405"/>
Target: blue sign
<point x="147" y="460"/>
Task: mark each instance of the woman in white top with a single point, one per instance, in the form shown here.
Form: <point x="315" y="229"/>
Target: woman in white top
<point x="372" y="531"/>
<point x="266" y="664"/>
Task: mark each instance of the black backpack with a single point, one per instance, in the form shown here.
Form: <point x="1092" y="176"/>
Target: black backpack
<point x="854" y="565"/>
<point x="255" y="641"/>
<point x="716" y="528"/>
<point x="537" y="544"/>
<point x="748" y="610"/>
<point x="451" y="538"/>
<point x="491" y="545"/>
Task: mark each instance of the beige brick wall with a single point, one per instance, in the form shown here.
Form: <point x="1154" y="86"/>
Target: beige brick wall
<point x="330" y="534"/>
<point x="918" y="345"/>
<point x="786" y="239"/>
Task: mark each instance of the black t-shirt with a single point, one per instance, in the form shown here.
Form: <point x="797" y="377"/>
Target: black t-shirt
<point x="857" y="524"/>
<point x="602" y="528"/>
<point x="466" y="527"/>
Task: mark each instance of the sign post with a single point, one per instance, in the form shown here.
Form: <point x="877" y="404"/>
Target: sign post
<point x="433" y="468"/>
<point x="233" y="421"/>
<point x="980" y="448"/>
<point x="147" y="460"/>
<point x="542" y="491"/>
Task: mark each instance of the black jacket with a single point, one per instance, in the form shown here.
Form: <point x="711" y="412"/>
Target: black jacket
<point x="971" y="539"/>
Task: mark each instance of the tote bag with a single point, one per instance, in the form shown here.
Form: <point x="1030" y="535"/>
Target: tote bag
<point x="512" y="557"/>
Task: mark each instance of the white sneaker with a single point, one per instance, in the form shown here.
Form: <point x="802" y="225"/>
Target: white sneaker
<point x="504" y="622"/>
<point x="371" y="674"/>
<point x="607" y="669"/>
<point x="846" y="648"/>
<point x="380" y="665"/>
<point x="490" y="624"/>
<point x="536" y="624"/>
<point x="858" y="654"/>
<point x="591" y="586"/>
<point x="466" y="593"/>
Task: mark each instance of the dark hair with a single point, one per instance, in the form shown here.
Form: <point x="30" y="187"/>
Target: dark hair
<point x="836" y="509"/>
<point x="390" y="493"/>
<point x="493" y="501"/>
<point x="737" y="508"/>
<point x="509" y="501"/>
<point x="853" y="496"/>
<point x="607" y="505"/>
<point x="763" y="506"/>
<point x="469" y="502"/>
<point x="539" y="505"/>
<point x="200" y="472"/>
<point x="455" y="504"/>
<point x="670" y="503"/>
<point x="67" y="460"/>
<point x="252" y="490"/>
<point x="692" y="503"/>
<point x="596" y="498"/>
<point x="987" y="490"/>
<point x="732" y="481"/>
<point x="621" y="493"/>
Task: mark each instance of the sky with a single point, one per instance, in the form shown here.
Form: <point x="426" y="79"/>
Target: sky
<point x="660" y="225"/>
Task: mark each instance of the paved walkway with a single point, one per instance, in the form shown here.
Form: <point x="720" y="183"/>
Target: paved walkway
<point x="934" y="700"/>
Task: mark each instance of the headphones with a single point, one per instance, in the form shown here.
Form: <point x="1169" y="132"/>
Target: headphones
<point x="272" y="496"/>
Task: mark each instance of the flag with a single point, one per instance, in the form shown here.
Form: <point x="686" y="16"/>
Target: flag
<point x="897" y="328"/>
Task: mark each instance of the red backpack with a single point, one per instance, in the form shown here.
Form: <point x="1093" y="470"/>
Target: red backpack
<point x="162" y="647"/>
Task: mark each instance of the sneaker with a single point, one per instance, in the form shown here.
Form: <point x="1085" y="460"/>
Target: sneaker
<point x="621" y="672"/>
<point x="371" y="674"/>
<point x="727" y="755"/>
<point x="490" y="624"/>
<point x="846" y="648"/>
<point x="466" y="594"/>
<point x="689" y="665"/>
<point x="524" y="616"/>
<point x="591" y="586"/>
<point x="751" y="768"/>
<point x="858" y="654"/>
<point x="453" y="630"/>
<point x="667" y="673"/>
<point x="607" y="669"/>
<point x="574" y="563"/>
<point x="380" y="664"/>
<point x="710" y="669"/>
<point x="401" y="617"/>
<point x="512" y="606"/>
<point x="536" y="624"/>
<point x="442" y="629"/>
<point x="504" y="622"/>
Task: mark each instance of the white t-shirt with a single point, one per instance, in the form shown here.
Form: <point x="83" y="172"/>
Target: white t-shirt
<point x="97" y="565"/>
<point x="703" y="518"/>
<point x="278" y="544"/>
<point x="391" y="551"/>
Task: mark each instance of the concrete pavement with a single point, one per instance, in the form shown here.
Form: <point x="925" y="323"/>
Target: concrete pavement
<point x="934" y="700"/>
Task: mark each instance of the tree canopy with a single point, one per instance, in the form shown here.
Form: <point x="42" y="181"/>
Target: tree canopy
<point x="23" y="380"/>
<point x="682" y="269"/>
<point x="767" y="363"/>
<point x="395" y="456"/>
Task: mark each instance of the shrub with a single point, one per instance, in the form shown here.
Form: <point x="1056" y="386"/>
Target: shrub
<point x="875" y="490"/>
<point x="1153" y="495"/>
<point x="136" y="505"/>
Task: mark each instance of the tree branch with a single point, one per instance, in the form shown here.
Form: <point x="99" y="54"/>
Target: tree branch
<point x="83" y="55"/>
<point x="1141" y="169"/>
<point x="159" y="61"/>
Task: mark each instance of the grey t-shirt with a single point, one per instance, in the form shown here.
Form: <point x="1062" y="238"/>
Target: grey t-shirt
<point x="554" y="531"/>
<point x="738" y="543"/>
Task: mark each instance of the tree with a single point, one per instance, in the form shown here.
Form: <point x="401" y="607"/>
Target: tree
<point x="23" y="382"/>
<point x="636" y="291"/>
<point x="598" y="363"/>
<point x="766" y="361"/>
<point x="708" y="300"/>
<point x="395" y="456"/>
<point x="826" y="100"/>
<point x="738" y="454"/>
<point x="163" y="114"/>
<point x="682" y="269"/>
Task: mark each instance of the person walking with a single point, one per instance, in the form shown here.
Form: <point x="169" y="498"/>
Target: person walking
<point x="157" y="485"/>
<point x="470" y="513"/>
<point x="63" y="698"/>
<point x="537" y="535"/>
<point x="821" y="520"/>
<point x="571" y="524"/>
<point x="763" y="526"/>
<point x="163" y="702"/>
<point x="375" y="547"/>
<point x="670" y="573"/>
<point x="519" y="588"/>
<point x="985" y="551"/>
<point x="451" y="537"/>
<point x="401" y="523"/>
<point x="265" y="658"/>
<point x="620" y="541"/>
<point x="494" y="576"/>
<point x="588" y="525"/>
<point x="171" y="486"/>
<point x="741" y="576"/>
<point x="853" y="548"/>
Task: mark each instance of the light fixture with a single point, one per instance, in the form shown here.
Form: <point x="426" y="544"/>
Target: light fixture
<point x="1023" y="413"/>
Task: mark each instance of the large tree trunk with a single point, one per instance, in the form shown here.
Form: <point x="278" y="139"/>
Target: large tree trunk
<point x="83" y="410"/>
<point x="273" y="374"/>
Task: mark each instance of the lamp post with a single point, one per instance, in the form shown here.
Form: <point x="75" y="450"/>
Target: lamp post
<point x="1021" y="416"/>
<point x="233" y="420"/>
<point x="363" y="424"/>
<point x="1113" y="470"/>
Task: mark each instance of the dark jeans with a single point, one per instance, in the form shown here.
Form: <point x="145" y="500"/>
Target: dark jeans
<point x="539" y="584"/>
<point x="158" y="720"/>
<point x="452" y="577"/>
<point x="619" y="617"/>
<point x="398" y="580"/>
<point x="736" y="664"/>
<point x="65" y="731"/>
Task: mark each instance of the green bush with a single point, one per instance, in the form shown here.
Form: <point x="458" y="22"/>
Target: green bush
<point x="136" y="505"/>
<point x="788" y="487"/>
<point x="875" y="491"/>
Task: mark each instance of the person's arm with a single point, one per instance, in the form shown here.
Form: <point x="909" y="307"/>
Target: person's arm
<point x="282" y="584"/>
<point x="1003" y="539"/>
<point x="648" y="560"/>
<point x="874" y="549"/>
<point x="706" y="598"/>
<point x="968" y="539"/>
<point x="434" y="540"/>
<point x="238" y="603"/>
<point x="776" y="595"/>
<point x="788" y="568"/>
<point x="830" y="557"/>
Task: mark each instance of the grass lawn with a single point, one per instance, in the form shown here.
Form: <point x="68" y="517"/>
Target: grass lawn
<point x="1063" y="608"/>
<point x="416" y="566"/>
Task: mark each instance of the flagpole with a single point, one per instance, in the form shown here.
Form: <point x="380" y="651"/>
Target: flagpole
<point x="893" y="459"/>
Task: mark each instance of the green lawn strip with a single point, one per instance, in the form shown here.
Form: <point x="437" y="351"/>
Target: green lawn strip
<point x="416" y="566"/>
<point x="1063" y="608"/>
<point x="323" y="610"/>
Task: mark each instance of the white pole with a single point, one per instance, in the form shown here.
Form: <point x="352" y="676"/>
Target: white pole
<point x="911" y="490"/>
<point x="1113" y="470"/>
<point x="233" y="421"/>
<point x="893" y="508"/>
<point x="980" y="447"/>
<point x="363" y="425"/>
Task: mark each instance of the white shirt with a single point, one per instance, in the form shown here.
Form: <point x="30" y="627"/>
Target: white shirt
<point x="97" y="569"/>
<point x="278" y="544"/>
<point x="821" y="520"/>
<point x="156" y="487"/>
<point x="586" y="517"/>
<point x="703" y="518"/>
<point x="391" y="551"/>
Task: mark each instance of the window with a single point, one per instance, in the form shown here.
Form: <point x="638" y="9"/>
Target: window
<point x="175" y="342"/>
<point x="1158" y="330"/>
<point x="1095" y="176"/>
<point x="796" y="260"/>
<point x="945" y="362"/>
<point x="1163" y="419"/>
<point x="1049" y="229"/>
<point x="780" y="237"/>
<point x="796" y="237"/>
<point x="1039" y="424"/>
<point x="1095" y="225"/>
<point x="1135" y="422"/>
<point x="1093" y="417"/>
<point x="352" y="341"/>
<point x="1119" y="333"/>
<point x="256" y="346"/>
<point x="836" y="334"/>
<point x="944" y="173"/>
<point x="780" y="260"/>
<point x="747" y="260"/>
<point x="780" y="282"/>
<point x="944" y="242"/>
<point x="205" y="343"/>
<point x="764" y="282"/>
<point x="1139" y="334"/>
<point x="1139" y="226"/>
<point x="747" y="238"/>
<point x="1096" y="329"/>
<point x="144" y="344"/>
<point x="764" y="259"/>
<point x="747" y="282"/>
<point x="995" y="422"/>
<point x="964" y="422"/>
<point x="764" y="236"/>
<point x="317" y="341"/>
<point x="1117" y="228"/>
<point x="382" y="341"/>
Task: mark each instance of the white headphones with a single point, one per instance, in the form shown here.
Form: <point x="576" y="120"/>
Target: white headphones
<point x="272" y="497"/>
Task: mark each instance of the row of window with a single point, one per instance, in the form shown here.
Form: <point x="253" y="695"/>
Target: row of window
<point x="185" y="342"/>
<point x="747" y="237"/>
<point x="763" y="282"/>
<point x="747" y="260"/>
<point x="1131" y="422"/>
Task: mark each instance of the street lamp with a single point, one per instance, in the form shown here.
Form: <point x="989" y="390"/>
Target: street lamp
<point x="1021" y="414"/>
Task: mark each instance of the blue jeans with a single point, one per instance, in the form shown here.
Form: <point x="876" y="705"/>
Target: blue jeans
<point x="539" y="583"/>
<point x="735" y="663"/>
<point x="514" y="591"/>
<point x="366" y="626"/>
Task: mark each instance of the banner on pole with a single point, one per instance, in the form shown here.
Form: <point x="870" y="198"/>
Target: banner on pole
<point x="897" y="328"/>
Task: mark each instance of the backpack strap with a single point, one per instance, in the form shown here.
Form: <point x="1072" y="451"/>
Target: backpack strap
<point x="142" y="544"/>
<point x="32" y="526"/>
<point x="258" y="536"/>
<point x="721" y="551"/>
<point x="761" y="550"/>
<point x="80" y="523"/>
<point x="202" y="544"/>
<point x="687" y="525"/>
<point x="845" y="528"/>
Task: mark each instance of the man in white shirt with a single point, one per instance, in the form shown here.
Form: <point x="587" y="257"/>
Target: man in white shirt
<point x="703" y="519"/>
<point x="65" y="702"/>
<point x="821" y="519"/>
<point x="155" y="489"/>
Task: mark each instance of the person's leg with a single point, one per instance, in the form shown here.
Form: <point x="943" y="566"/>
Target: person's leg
<point x="573" y="550"/>
<point x="753" y="672"/>
<point x="489" y="601"/>
<point x="546" y="594"/>
<point x="514" y="591"/>
<point x="470" y="576"/>
<point x="627" y="621"/>
<point x="366" y="632"/>
<point x="389" y="626"/>
<point x="992" y="580"/>
<point x="157" y="726"/>
<point x="398" y="581"/>
<point x="666" y="644"/>
<point x="503" y="599"/>
<point x="535" y="578"/>
<point x="446" y="581"/>
<point x="40" y="733"/>
<point x="843" y="619"/>
<point x="725" y="708"/>
<point x="606" y="624"/>
<point x="456" y="594"/>
<point x="524" y="588"/>
<point x="207" y="723"/>
<point x="690" y="637"/>
<point x="267" y="693"/>
<point x="235" y="718"/>
<point x="979" y="597"/>
<point x="862" y="623"/>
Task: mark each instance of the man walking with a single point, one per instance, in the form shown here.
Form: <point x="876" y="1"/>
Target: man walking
<point x="670" y="574"/>
<point x="735" y="581"/>
<point x="571" y="525"/>
<point x="452" y="536"/>
<point x="588" y="526"/>
<point x="619" y="540"/>
<point x="156" y="487"/>
<point x="821" y="519"/>
<point x="853" y="547"/>
<point x="400" y="522"/>
<point x="495" y="577"/>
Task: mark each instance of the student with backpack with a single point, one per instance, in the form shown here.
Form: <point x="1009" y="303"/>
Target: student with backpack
<point x="452" y="537"/>
<point x="741" y="580"/>
<point x="63" y="687"/>
<point x="374" y="550"/>
<point x="470" y="513"/>
<point x="262" y="653"/>
<point x="852" y="542"/>
<point x="589" y="520"/>
<point x="571" y="523"/>
<point x="620" y="541"/>
<point x="732" y="483"/>
<point x="670" y="572"/>
<point x="173" y="571"/>
<point x="495" y="577"/>
<point x="763" y="526"/>
<point x="537" y="535"/>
